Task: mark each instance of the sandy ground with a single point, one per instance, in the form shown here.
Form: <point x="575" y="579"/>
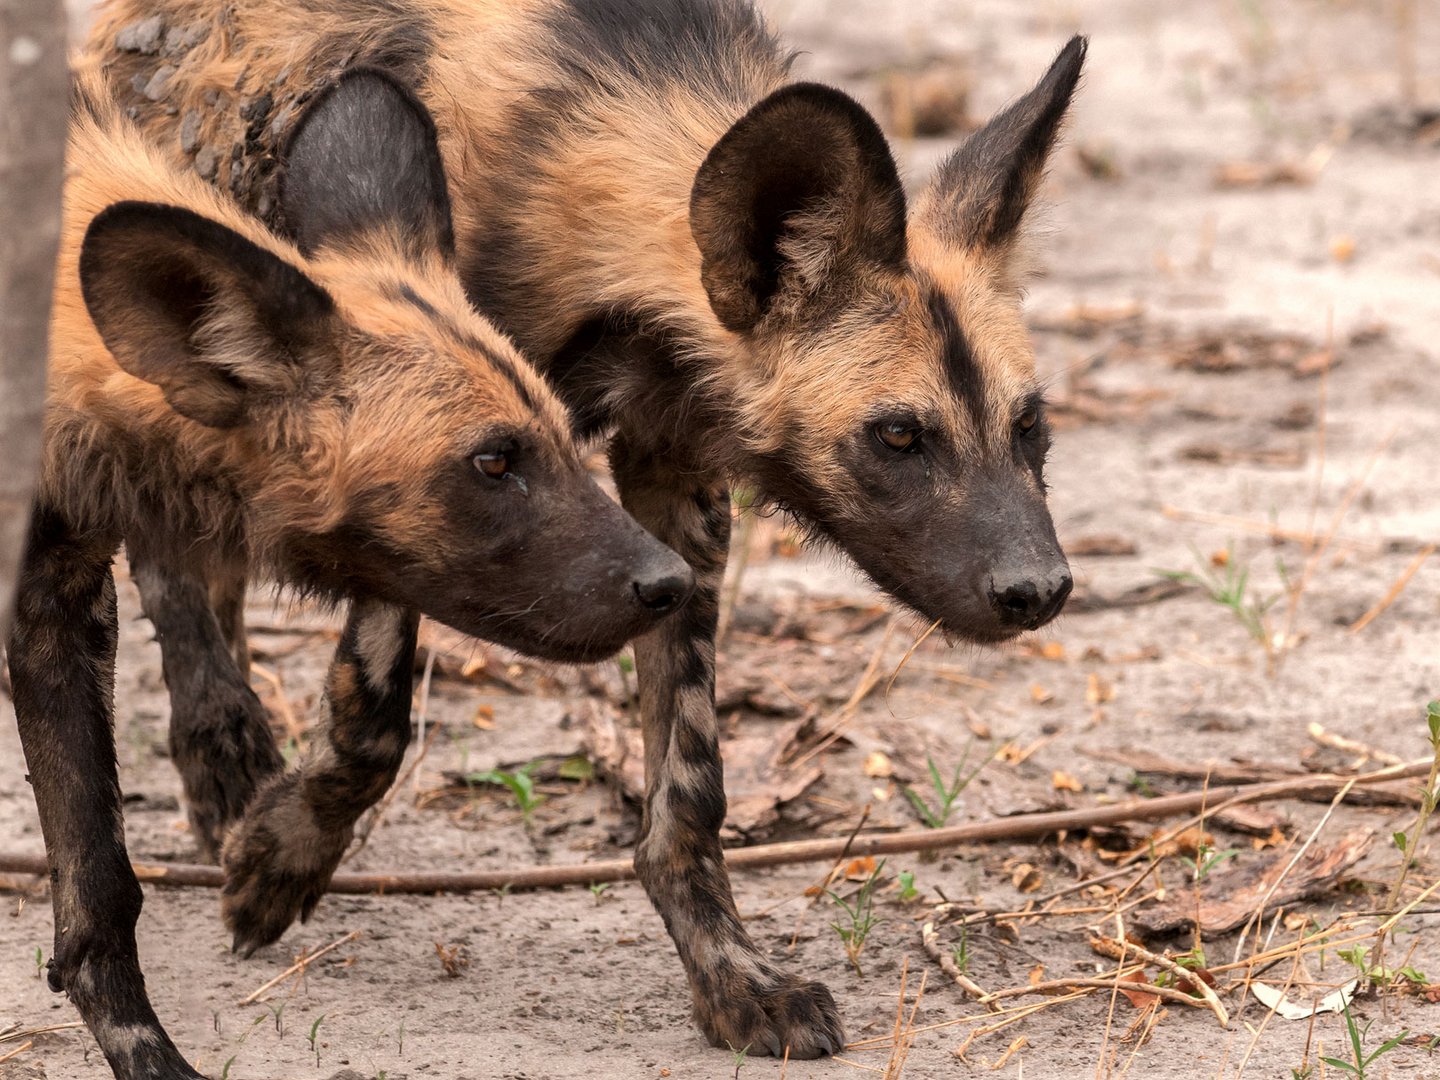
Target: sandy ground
<point x="1172" y="270"/>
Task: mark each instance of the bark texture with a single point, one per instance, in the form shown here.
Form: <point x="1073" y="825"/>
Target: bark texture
<point x="33" y="90"/>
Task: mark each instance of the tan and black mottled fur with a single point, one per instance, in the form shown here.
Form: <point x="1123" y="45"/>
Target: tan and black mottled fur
<point x="340" y="421"/>
<point x="717" y="267"/>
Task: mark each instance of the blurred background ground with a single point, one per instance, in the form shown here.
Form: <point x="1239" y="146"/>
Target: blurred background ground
<point x="1235" y="307"/>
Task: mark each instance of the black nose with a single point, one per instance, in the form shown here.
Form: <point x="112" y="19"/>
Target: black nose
<point x="1030" y="602"/>
<point x="666" y="591"/>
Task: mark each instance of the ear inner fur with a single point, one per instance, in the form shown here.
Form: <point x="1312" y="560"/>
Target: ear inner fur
<point x="156" y="279"/>
<point x="807" y="165"/>
<point x="981" y="193"/>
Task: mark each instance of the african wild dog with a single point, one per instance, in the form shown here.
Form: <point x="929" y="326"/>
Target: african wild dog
<point x="714" y="265"/>
<point x="340" y="419"/>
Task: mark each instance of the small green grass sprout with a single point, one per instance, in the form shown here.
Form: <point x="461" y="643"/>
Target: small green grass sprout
<point x="518" y="782"/>
<point x="1363" y="1061"/>
<point x="859" y="917"/>
<point x="935" y="816"/>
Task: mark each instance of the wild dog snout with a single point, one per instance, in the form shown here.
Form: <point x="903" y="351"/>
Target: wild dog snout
<point x="1030" y="598"/>
<point x="664" y="584"/>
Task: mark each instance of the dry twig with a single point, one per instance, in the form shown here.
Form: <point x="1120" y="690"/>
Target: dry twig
<point x="299" y="967"/>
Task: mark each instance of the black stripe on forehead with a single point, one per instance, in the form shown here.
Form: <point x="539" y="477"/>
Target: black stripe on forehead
<point x="956" y="356"/>
<point x="502" y="364"/>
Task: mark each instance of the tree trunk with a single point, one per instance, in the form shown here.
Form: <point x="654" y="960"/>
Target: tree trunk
<point x="33" y="91"/>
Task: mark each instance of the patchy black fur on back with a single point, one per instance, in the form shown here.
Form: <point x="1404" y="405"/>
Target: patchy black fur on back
<point x="658" y="41"/>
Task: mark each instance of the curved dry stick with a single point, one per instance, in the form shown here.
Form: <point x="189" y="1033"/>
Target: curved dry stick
<point x="930" y="941"/>
<point x="1115" y="951"/>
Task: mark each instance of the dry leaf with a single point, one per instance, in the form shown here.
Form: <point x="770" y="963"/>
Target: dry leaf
<point x="1098" y="691"/>
<point x="1099" y="161"/>
<point x="1052" y="650"/>
<point x="979" y="728"/>
<point x="1139" y="998"/>
<point x="1276" y="1002"/>
<point x="1342" y="248"/>
<point x="1037" y="975"/>
<point x="1026" y="877"/>
<point x="878" y="765"/>
<point x="1039" y="695"/>
<point x="1252" y="174"/>
<point x="860" y="869"/>
<point x="1227" y="900"/>
<point x="1260" y="843"/>
<point x="1063" y="781"/>
<point x="1101" y="545"/>
<point x="485" y="717"/>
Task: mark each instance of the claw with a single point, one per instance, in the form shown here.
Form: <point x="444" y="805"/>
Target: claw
<point x="772" y="1043"/>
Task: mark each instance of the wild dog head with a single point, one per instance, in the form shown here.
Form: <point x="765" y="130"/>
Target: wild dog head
<point x="387" y="440"/>
<point x="892" y="401"/>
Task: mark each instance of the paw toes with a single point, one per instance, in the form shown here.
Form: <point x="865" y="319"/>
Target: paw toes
<point x="788" y="1014"/>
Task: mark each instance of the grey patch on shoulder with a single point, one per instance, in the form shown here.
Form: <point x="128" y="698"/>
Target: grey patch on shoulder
<point x="179" y="40"/>
<point x="159" y="85"/>
<point x="141" y="37"/>
<point x="190" y="132"/>
<point x="207" y="162"/>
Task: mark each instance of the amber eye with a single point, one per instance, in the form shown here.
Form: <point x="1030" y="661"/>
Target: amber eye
<point x="898" y="435"/>
<point x="1028" y="419"/>
<point x="494" y="465"/>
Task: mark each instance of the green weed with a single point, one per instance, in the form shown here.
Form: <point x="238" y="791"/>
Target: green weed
<point x="908" y="891"/>
<point x="315" y="1030"/>
<point x="1194" y="960"/>
<point x="1227" y="581"/>
<point x="935" y="817"/>
<point x="960" y="952"/>
<point x="517" y="782"/>
<point x="1207" y="859"/>
<point x="740" y="1056"/>
<point x="1362" y="1060"/>
<point x="859" y="917"/>
<point x="1407" y="843"/>
<point x="1359" y="958"/>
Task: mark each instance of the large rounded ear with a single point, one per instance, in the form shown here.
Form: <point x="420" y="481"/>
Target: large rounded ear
<point x="981" y="192"/>
<point x="217" y="322"/>
<point x="364" y="156"/>
<point x="801" y="190"/>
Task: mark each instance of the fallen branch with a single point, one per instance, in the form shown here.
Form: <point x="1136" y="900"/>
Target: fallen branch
<point x="1020" y="827"/>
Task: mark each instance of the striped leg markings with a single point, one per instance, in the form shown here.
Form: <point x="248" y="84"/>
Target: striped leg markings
<point x="280" y="857"/>
<point x="740" y="998"/>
